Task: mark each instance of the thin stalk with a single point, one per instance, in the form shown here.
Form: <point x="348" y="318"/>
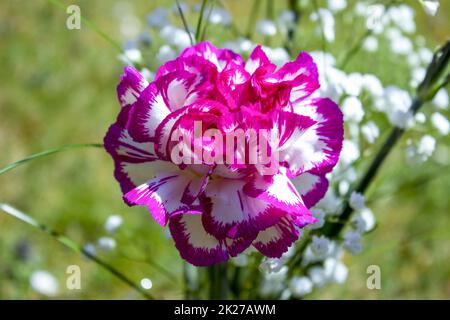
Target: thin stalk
<point x="71" y="244"/>
<point x="47" y="153"/>
<point x="91" y="25"/>
<point x="211" y="7"/>
<point x="183" y="19"/>
<point x="218" y="278"/>
<point x="354" y="49"/>
<point x="200" y="20"/>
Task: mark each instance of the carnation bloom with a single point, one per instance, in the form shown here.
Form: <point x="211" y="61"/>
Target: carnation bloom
<point x="216" y="209"/>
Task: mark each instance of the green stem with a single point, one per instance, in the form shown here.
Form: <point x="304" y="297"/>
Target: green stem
<point x="69" y="243"/>
<point x="47" y="153"/>
<point x="91" y="25"/>
<point x="200" y="20"/>
<point x="183" y="19"/>
<point x="218" y="289"/>
<point x="211" y="7"/>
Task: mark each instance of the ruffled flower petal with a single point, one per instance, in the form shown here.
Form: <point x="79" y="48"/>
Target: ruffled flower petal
<point x="276" y="240"/>
<point x="311" y="187"/>
<point x="318" y="148"/>
<point x="199" y="247"/>
<point x="171" y="191"/>
<point x="132" y="83"/>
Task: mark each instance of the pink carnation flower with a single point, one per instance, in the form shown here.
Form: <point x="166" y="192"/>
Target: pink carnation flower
<point x="217" y="209"/>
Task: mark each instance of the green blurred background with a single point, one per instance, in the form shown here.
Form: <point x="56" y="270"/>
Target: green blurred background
<point x="58" y="87"/>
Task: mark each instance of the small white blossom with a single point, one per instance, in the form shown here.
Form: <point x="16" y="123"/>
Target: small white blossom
<point x="165" y="53"/>
<point x="370" y="44"/>
<point x="431" y="6"/>
<point x="357" y="201"/>
<point x="320" y="246"/>
<point x="440" y="123"/>
<point x="420" y="117"/>
<point x="350" y="152"/>
<point x="90" y="248"/>
<point x="300" y="286"/>
<point x="158" y="18"/>
<point x="422" y="151"/>
<point x="337" y="5"/>
<point x="352" y="109"/>
<point x="220" y="16"/>
<point x="44" y="283"/>
<point x="326" y="19"/>
<point x="271" y="265"/>
<point x="403" y="17"/>
<point x="146" y="284"/>
<point x="364" y="221"/>
<point x="266" y="28"/>
<point x="113" y="223"/>
<point x="240" y="260"/>
<point x="441" y="99"/>
<point x="370" y="131"/>
<point x="320" y="216"/>
<point x="147" y="74"/>
<point x="352" y="242"/>
<point x="273" y="282"/>
<point x="106" y="243"/>
<point x="278" y="56"/>
<point x="131" y="56"/>
<point x="335" y="270"/>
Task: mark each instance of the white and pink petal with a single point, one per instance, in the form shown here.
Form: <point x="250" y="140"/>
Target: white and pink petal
<point x="276" y="240"/>
<point x="230" y="213"/>
<point x="132" y="83"/>
<point x="312" y="187"/>
<point x="169" y="192"/>
<point x="318" y="148"/>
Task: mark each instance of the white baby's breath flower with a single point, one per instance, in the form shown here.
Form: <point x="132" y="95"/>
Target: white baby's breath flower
<point x="352" y="109"/>
<point x="335" y="270"/>
<point x="158" y="18"/>
<point x="350" y="152"/>
<point x="131" y="56"/>
<point x="240" y="260"/>
<point x="320" y="216"/>
<point x="337" y="5"/>
<point x="220" y="16"/>
<point x="326" y="19"/>
<point x="364" y="221"/>
<point x="431" y="6"/>
<point x="278" y="56"/>
<point x="90" y="248"/>
<point x="106" y="243"/>
<point x="403" y="17"/>
<point x="266" y="28"/>
<point x="370" y="131"/>
<point x="352" y="242"/>
<point x="420" y="117"/>
<point x="165" y="53"/>
<point x="147" y="74"/>
<point x="320" y="246"/>
<point x="357" y="201"/>
<point x="441" y="99"/>
<point x="440" y="123"/>
<point x="370" y="44"/>
<point x="300" y="286"/>
<point x="271" y="265"/>
<point x="146" y="283"/>
<point x="44" y="283"/>
<point x="113" y="223"/>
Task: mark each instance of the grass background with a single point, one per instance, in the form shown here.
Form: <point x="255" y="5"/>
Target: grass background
<point x="58" y="87"/>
